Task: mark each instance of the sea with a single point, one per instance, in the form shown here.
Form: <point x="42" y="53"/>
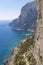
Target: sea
<point x="9" y="39"/>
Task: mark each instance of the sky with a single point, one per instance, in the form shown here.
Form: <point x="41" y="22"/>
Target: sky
<point x="10" y="9"/>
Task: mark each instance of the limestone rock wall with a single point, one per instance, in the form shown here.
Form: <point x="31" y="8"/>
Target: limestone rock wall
<point x="38" y="50"/>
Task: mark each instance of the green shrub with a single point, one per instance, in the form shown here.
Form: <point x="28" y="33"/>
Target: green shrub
<point x="31" y="59"/>
<point x="24" y="47"/>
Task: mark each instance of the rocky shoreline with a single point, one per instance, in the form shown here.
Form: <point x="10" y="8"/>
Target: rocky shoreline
<point x="23" y="30"/>
<point x="11" y="58"/>
<point x="19" y="52"/>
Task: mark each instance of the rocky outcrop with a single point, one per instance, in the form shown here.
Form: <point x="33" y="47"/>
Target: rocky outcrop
<point x="38" y="50"/>
<point x="27" y="18"/>
<point x="23" y="54"/>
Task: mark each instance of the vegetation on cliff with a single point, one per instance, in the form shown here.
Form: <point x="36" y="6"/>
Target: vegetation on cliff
<point x="24" y="55"/>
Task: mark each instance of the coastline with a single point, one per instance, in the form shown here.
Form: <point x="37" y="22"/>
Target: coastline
<point x="23" y="30"/>
<point x="10" y="60"/>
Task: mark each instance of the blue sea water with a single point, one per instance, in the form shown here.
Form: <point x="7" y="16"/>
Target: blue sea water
<point x="9" y="39"/>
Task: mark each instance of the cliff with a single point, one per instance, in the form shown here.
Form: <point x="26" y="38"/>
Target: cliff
<point x="38" y="49"/>
<point x="23" y="54"/>
<point x="30" y="52"/>
<point x="27" y="19"/>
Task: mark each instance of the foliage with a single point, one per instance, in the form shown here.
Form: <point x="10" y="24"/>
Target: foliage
<point x="31" y="59"/>
<point x="24" y="47"/>
<point x="19" y="60"/>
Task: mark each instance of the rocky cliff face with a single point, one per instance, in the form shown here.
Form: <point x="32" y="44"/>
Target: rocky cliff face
<point x="38" y="50"/>
<point x="27" y="18"/>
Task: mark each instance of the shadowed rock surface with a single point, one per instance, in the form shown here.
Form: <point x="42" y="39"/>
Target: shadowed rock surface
<point x="27" y="19"/>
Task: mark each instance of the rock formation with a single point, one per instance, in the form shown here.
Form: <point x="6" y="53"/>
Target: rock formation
<point x="27" y="18"/>
<point x="38" y="50"/>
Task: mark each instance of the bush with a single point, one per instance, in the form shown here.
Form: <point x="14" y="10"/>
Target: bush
<point x="31" y="59"/>
<point x="24" y="47"/>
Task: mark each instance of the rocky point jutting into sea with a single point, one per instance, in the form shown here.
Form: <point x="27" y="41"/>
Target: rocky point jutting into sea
<point x="27" y="18"/>
<point x="30" y="52"/>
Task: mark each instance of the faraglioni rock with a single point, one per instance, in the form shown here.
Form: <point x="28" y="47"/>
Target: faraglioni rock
<point x="27" y="19"/>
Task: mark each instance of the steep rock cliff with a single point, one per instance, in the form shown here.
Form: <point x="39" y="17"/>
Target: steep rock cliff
<point x="27" y="18"/>
<point x="38" y="49"/>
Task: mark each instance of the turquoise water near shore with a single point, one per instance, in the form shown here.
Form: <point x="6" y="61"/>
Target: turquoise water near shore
<point x="9" y="39"/>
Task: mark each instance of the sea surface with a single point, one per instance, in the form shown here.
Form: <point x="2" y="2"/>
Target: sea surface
<point x="9" y="39"/>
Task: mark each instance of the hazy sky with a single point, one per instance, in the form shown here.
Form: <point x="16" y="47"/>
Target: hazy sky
<point x="10" y="9"/>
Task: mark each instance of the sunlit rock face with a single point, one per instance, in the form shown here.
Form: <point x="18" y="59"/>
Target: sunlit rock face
<point x="38" y="50"/>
